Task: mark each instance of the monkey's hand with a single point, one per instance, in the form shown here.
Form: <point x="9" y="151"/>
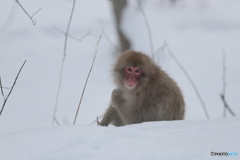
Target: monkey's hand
<point x="117" y="99"/>
<point x="116" y="93"/>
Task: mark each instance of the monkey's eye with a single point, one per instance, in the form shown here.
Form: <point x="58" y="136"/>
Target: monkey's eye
<point x="129" y="69"/>
<point x="137" y="71"/>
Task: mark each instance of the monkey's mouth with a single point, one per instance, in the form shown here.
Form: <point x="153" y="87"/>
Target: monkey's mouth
<point x="130" y="82"/>
<point x="130" y="86"/>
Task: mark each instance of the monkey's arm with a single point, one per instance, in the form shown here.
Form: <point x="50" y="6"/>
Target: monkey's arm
<point x="108" y="117"/>
<point x="136" y="112"/>
<point x="119" y="104"/>
<point x="111" y="116"/>
<point x="134" y="116"/>
<point x="117" y="99"/>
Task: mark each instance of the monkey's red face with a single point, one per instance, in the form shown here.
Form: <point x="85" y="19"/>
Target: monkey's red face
<point x="132" y="75"/>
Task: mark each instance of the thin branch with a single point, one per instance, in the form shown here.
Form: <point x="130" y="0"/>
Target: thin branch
<point x="110" y="42"/>
<point x="84" y="36"/>
<point x="95" y="55"/>
<point x="6" y="98"/>
<point x="96" y="120"/>
<point x="1" y="87"/>
<point x="159" y="58"/>
<point x="77" y="39"/>
<point x="226" y="106"/>
<point x="31" y="17"/>
<point x="6" y="87"/>
<point x="148" y="28"/>
<point x="59" y="30"/>
<point x="63" y="60"/>
<point x="161" y="48"/>
<point x="36" y="13"/>
<point x="55" y="119"/>
<point x="190" y="80"/>
<point x="224" y="72"/>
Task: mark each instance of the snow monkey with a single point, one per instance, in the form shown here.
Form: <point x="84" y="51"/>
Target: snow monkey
<point x="144" y="93"/>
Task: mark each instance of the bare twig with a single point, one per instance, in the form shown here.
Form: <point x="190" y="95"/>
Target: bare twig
<point x="190" y="80"/>
<point x="6" y="87"/>
<point x="59" y="30"/>
<point x="1" y="87"/>
<point x="63" y="60"/>
<point x="31" y="17"/>
<point x="226" y="106"/>
<point x="161" y="48"/>
<point x="36" y="13"/>
<point x="6" y="98"/>
<point x="95" y="55"/>
<point x="84" y="36"/>
<point x="110" y="42"/>
<point x="148" y="28"/>
<point x="160" y="59"/>
<point x="77" y="39"/>
<point x="96" y="120"/>
<point x="55" y="119"/>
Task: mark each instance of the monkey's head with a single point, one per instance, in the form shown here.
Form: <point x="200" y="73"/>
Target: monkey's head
<point x="132" y="70"/>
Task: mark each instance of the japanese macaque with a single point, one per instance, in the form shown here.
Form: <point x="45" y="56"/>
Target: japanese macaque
<point x="144" y="93"/>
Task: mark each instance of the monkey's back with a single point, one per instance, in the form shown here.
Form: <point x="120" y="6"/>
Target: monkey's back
<point x="162" y="96"/>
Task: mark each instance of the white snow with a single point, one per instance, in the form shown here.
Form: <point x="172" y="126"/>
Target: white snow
<point x="196" y="31"/>
<point x="190" y="139"/>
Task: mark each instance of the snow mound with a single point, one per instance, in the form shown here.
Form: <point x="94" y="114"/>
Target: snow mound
<point x="190" y="139"/>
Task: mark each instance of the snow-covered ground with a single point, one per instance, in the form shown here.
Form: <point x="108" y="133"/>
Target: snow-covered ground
<point x="190" y="139"/>
<point x="196" y="31"/>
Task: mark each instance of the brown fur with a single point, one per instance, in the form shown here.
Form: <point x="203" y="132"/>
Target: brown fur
<point x="155" y="98"/>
